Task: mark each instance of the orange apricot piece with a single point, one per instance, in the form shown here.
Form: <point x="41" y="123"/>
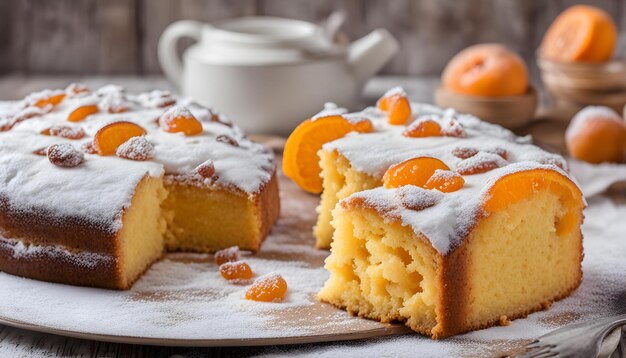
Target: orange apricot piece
<point x="82" y="112"/>
<point x="230" y="254"/>
<point x="271" y="288"/>
<point x="51" y="100"/>
<point x="596" y="135"/>
<point x="423" y="128"/>
<point x="445" y="181"/>
<point x="239" y="270"/>
<point x="414" y="171"/>
<point x="580" y="33"/>
<point x="398" y="107"/>
<point x="178" y="119"/>
<point x="363" y="126"/>
<point x="300" y="160"/>
<point x="110" y="137"/>
<point x="486" y="70"/>
<point x="514" y="187"/>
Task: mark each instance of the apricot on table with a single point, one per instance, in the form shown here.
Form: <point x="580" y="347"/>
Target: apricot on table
<point x="238" y="270"/>
<point x="486" y="70"/>
<point x="269" y="288"/>
<point x="597" y="134"/>
<point x="580" y="33"/>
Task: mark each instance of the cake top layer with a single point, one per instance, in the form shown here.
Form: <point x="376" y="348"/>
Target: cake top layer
<point x="479" y="151"/>
<point x="102" y="185"/>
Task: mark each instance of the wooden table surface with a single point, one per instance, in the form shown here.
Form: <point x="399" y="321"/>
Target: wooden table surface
<point x="21" y="343"/>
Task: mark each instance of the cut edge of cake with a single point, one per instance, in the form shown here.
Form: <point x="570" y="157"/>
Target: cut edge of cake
<point x="376" y="261"/>
<point x="230" y="217"/>
<point x="339" y="180"/>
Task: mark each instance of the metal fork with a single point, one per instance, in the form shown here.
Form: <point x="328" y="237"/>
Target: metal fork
<point x="577" y="340"/>
<point x="620" y="351"/>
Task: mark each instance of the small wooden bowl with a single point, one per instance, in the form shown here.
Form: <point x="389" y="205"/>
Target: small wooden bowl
<point x="606" y="76"/>
<point x="573" y="86"/>
<point x="511" y="112"/>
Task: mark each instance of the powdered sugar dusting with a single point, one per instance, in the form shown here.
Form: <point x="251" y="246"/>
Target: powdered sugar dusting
<point x="415" y="198"/>
<point x="246" y="168"/>
<point x="65" y="155"/>
<point x="97" y="190"/>
<point x="20" y="250"/>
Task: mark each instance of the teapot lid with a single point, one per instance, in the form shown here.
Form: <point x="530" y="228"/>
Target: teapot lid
<point x="267" y="39"/>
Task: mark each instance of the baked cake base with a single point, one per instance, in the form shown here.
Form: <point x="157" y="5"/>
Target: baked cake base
<point x="512" y="263"/>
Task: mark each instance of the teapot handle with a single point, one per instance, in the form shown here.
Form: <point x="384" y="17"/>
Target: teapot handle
<point x="168" y="57"/>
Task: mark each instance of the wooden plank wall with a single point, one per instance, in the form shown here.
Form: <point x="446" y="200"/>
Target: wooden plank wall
<point x="120" y="36"/>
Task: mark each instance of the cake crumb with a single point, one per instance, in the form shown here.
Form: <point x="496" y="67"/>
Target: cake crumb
<point x="504" y="321"/>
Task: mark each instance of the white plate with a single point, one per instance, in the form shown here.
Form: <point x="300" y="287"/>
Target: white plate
<point x="182" y="300"/>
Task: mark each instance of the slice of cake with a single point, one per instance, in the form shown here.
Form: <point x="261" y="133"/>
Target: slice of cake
<point x="438" y="219"/>
<point x="95" y="186"/>
<point x="505" y="245"/>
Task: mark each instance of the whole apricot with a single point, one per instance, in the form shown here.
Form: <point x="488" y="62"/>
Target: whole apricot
<point x="486" y="70"/>
<point x="597" y="134"/>
<point x="580" y="33"/>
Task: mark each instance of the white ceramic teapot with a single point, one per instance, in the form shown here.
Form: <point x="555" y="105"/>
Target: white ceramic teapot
<point x="268" y="74"/>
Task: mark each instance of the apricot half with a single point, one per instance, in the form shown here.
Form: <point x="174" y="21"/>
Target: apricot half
<point x="51" y="100"/>
<point x="514" y="187"/>
<point x="596" y="135"/>
<point x="300" y="160"/>
<point x="486" y="70"/>
<point x="179" y="119"/>
<point x="110" y="137"/>
<point x="414" y="171"/>
<point x="580" y="33"/>
<point x="82" y="112"/>
<point x="398" y="107"/>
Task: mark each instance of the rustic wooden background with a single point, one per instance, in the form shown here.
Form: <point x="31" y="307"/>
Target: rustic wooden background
<point x="120" y="36"/>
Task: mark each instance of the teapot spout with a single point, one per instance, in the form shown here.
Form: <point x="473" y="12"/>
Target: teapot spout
<point x="370" y="53"/>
